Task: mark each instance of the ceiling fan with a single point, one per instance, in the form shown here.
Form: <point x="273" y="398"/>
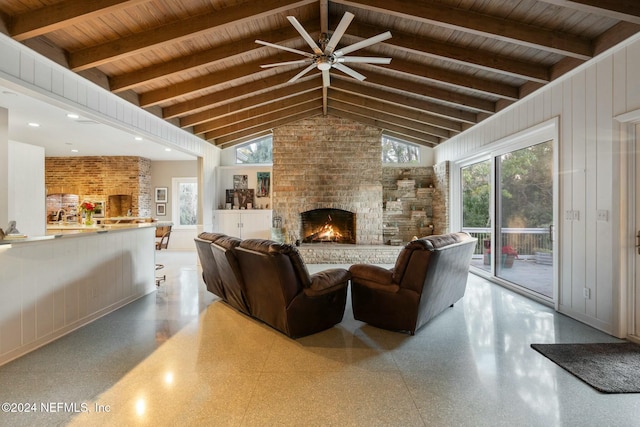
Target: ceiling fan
<point x="325" y="56"/>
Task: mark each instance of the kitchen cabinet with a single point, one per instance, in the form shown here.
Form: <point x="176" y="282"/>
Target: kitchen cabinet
<point x="244" y="224"/>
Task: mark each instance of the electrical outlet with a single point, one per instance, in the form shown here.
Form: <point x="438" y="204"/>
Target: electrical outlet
<point x="587" y="293"/>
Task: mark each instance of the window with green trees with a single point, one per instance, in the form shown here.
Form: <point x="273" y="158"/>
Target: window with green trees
<point x="256" y="151"/>
<point x="398" y="151"/>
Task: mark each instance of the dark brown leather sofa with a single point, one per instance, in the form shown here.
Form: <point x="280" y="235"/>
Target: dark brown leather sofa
<point x="430" y="274"/>
<point x="281" y="292"/>
<point x="270" y="281"/>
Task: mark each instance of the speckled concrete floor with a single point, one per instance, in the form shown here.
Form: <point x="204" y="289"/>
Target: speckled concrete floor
<point x="181" y="357"/>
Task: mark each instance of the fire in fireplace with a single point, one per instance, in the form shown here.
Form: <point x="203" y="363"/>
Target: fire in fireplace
<point x="328" y="225"/>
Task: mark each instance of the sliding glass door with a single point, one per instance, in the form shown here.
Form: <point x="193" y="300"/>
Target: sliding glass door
<point x="476" y="209"/>
<point x="524" y="217"/>
<point x="508" y="203"/>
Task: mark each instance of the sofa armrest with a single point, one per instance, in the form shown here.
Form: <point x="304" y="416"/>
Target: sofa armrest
<point x="327" y="281"/>
<point x="373" y="277"/>
<point x="372" y="273"/>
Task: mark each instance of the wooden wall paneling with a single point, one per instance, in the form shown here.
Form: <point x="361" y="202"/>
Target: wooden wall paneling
<point x="566" y="197"/>
<point x="579" y="191"/>
<point x="42" y="301"/>
<point x="605" y="188"/>
<point x="591" y="179"/>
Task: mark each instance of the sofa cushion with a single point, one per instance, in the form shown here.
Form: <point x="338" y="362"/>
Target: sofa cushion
<point x="228" y="242"/>
<point x="211" y="237"/>
<point x="442" y="240"/>
<point x="405" y="255"/>
<point x="271" y="248"/>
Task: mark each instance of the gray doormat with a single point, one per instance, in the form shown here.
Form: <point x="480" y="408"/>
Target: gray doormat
<point x="607" y="367"/>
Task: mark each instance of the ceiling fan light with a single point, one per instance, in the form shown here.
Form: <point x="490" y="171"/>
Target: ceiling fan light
<point x="324" y="66"/>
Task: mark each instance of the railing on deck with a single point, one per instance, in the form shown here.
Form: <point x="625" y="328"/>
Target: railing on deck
<point x="524" y="240"/>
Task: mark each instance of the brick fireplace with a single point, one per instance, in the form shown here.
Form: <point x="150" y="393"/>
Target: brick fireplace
<point x="326" y="162"/>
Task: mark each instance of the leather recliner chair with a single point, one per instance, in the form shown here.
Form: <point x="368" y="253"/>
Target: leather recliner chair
<point x="430" y="274"/>
<point x="281" y="293"/>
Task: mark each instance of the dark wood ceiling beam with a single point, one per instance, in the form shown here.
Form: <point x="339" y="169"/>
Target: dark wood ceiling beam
<point x="201" y="59"/>
<point x="477" y="58"/>
<point x="623" y="10"/>
<point x="614" y="35"/>
<point x="454" y="79"/>
<point x="395" y="110"/>
<point x="258" y="122"/>
<point x="250" y="102"/>
<point x="47" y="19"/>
<point x="406" y="123"/>
<point x="178" y="31"/>
<point x="431" y="92"/>
<point x="261" y="111"/>
<point x="449" y="117"/>
<point x="167" y="93"/>
<point x="246" y="134"/>
<point x="483" y="25"/>
<point x="427" y="140"/>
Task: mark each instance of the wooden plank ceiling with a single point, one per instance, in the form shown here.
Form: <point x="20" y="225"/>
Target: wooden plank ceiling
<point x="196" y="63"/>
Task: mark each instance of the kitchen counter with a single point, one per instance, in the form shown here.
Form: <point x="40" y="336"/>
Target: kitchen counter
<point x="55" y="231"/>
<point x="53" y="284"/>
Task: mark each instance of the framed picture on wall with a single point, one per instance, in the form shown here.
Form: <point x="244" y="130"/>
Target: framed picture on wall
<point x="161" y="209"/>
<point x="161" y="195"/>
<point x="240" y="182"/>
<point x="264" y="184"/>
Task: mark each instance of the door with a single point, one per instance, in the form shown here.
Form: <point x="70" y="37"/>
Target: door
<point x="524" y="218"/>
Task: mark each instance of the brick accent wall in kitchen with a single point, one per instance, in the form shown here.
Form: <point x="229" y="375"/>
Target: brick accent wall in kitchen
<point x="96" y="178"/>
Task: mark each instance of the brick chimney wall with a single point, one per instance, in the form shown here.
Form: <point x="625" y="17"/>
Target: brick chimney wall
<point x="95" y="178"/>
<point x="328" y="162"/>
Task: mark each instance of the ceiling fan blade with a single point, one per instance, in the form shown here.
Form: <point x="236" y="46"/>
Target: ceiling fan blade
<point x="353" y="73"/>
<point x="277" y="64"/>
<point x="305" y="35"/>
<point x="363" y="44"/>
<point x="339" y="32"/>
<point x="364" y="60"/>
<point x="302" y="73"/>
<point x="288" y="49"/>
<point x="326" y="79"/>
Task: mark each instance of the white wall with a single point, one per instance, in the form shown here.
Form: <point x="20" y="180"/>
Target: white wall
<point x="27" y="204"/>
<point x="585" y="102"/>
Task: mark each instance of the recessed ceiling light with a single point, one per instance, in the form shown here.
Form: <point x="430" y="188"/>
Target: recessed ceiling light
<point x="73" y="116"/>
<point x="74" y="151"/>
<point x="34" y="125"/>
<point x="138" y="138"/>
<point x="167" y="149"/>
